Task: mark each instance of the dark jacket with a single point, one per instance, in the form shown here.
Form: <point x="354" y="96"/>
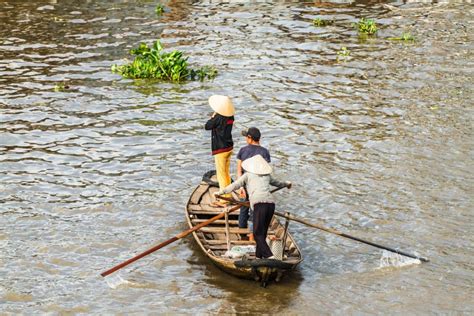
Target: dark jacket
<point x="221" y="134"/>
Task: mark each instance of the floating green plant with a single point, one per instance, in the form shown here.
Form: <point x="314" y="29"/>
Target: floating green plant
<point x="322" y="22"/>
<point x="59" y="87"/>
<point x="152" y="62"/>
<point x="343" y="54"/>
<point x="203" y="72"/>
<point x="366" y="26"/>
<point x="160" y="9"/>
<point x="406" y="37"/>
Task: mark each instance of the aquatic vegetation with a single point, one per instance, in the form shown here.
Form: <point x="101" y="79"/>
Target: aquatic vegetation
<point x="366" y="26"/>
<point x="59" y="87"/>
<point x="160" y="9"/>
<point x="343" y="54"/>
<point x="203" y="72"/>
<point x="153" y="63"/>
<point x="405" y="37"/>
<point x="322" y="22"/>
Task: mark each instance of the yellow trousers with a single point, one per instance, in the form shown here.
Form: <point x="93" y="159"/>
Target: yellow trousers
<point x="222" y="161"/>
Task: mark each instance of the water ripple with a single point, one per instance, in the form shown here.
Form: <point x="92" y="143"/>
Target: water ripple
<point x="378" y="146"/>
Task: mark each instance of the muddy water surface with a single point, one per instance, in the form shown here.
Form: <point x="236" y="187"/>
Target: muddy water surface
<point x="377" y="144"/>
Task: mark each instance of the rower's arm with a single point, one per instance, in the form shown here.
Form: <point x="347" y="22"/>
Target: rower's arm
<point x="240" y="182"/>
<point x="279" y="184"/>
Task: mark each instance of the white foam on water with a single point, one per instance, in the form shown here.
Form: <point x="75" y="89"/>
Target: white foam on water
<point x="391" y="259"/>
<point x="115" y="280"/>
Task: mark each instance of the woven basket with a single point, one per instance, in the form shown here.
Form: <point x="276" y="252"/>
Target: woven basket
<point x="276" y="246"/>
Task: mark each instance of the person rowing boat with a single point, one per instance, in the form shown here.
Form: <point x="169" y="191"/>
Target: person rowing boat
<point x="257" y="179"/>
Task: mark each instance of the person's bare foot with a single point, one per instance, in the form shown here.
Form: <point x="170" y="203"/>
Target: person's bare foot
<point x="251" y="237"/>
<point x="219" y="204"/>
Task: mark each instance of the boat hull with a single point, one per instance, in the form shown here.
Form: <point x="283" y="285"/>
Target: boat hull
<point x="216" y="239"/>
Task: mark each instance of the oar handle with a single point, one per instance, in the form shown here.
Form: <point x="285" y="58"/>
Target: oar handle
<point x="169" y="241"/>
<point x="278" y="189"/>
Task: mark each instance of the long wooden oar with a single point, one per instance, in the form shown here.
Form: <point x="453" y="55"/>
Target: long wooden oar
<point x="171" y="240"/>
<point x="333" y="231"/>
<point x="165" y="243"/>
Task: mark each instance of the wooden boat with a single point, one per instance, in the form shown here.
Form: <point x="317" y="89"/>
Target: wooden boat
<point x="220" y="236"/>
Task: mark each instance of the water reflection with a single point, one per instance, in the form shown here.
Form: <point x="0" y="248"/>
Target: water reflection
<point x="237" y="292"/>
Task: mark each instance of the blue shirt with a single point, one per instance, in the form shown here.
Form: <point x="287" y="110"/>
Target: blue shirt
<point x="250" y="150"/>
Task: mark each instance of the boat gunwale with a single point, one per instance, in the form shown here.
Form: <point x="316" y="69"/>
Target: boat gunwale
<point x="228" y="263"/>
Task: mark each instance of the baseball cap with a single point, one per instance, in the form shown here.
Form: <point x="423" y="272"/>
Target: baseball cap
<point x="253" y="133"/>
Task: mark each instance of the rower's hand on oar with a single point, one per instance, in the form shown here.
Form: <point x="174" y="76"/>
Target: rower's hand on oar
<point x="288" y="184"/>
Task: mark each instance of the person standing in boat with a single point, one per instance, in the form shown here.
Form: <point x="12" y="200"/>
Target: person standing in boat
<point x="257" y="178"/>
<point x="220" y="124"/>
<point x="253" y="148"/>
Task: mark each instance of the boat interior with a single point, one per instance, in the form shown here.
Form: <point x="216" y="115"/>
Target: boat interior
<point x="217" y="238"/>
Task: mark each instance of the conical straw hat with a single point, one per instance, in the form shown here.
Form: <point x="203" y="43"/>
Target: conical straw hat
<point x="257" y="165"/>
<point x="222" y="105"/>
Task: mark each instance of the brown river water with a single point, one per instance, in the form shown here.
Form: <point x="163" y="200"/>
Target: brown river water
<point x="378" y="145"/>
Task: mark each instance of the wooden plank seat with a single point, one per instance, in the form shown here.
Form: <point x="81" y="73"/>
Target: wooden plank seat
<point x="207" y="207"/>
<point x="235" y="242"/>
<point x="219" y="221"/>
<point x="213" y="213"/>
<point x="222" y="230"/>
<point x="198" y="210"/>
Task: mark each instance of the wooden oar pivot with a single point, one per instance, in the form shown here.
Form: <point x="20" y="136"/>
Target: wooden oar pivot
<point x="285" y="234"/>
<point x="227" y="230"/>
